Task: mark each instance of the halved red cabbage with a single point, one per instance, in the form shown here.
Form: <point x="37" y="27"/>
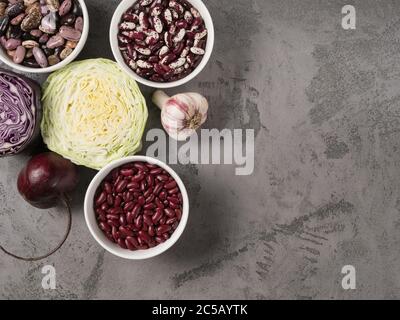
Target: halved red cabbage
<point x="20" y="112"/>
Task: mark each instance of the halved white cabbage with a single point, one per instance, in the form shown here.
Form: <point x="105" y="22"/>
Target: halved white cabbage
<point x="93" y="113"/>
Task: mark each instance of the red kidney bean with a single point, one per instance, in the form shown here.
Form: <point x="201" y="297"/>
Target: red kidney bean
<point x="162" y="177"/>
<point x="150" y="198"/>
<point x="125" y="232"/>
<point x="143" y="185"/>
<point x="158" y="203"/>
<point x="158" y="189"/>
<point x="112" y="217"/>
<point x="122" y="220"/>
<point x="113" y="223"/>
<point x="151" y="231"/>
<point x="141" y="166"/>
<point x="105" y="226"/>
<point x="148" y="192"/>
<point x="173" y="200"/>
<point x="155" y="171"/>
<point x="101" y="198"/>
<point x="173" y="205"/>
<point x="163" y="220"/>
<point x="139" y="177"/>
<point x="171" y="220"/>
<point x="144" y="236"/>
<point x="178" y="213"/>
<point x="138" y="206"/>
<point x="99" y="211"/>
<point x="109" y="236"/>
<point x="121" y="186"/>
<point x="102" y="217"/>
<point x="108" y="187"/>
<point x="173" y="191"/>
<point x="139" y="222"/>
<point x="141" y="200"/>
<point x="166" y="236"/>
<point x="158" y="215"/>
<point x="115" y="211"/>
<point x="170" y="213"/>
<point x="136" y="210"/>
<point x="118" y="201"/>
<point x="162" y="195"/>
<point x="131" y="243"/>
<point x="150" y="181"/>
<point x="163" y="229"/>
<point x="148" y="220"/>
<point x="115" y="234"/>
<point x="127" y="172"/>
<point x="129" y="196"/>
<point x="104" y="206"/>
<point x="149" y="206"/>
<point x="133" y="185"/>
<point x="121" y="243"/>
<point x="170" y="185"/>
<point x="129" y="206"/>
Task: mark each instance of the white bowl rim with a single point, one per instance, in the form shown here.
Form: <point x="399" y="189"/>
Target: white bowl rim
<point x="99" y="235"/>
<point x="81" y="44"/>
<point x="126" y="4"/>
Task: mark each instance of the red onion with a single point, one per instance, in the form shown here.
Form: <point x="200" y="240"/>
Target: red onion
<point x="43" y="183"/>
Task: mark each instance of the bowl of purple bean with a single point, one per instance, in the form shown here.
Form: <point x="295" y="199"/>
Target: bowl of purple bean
<point x="136" y="207"/>
<point x="42" y="36"/>
<point x="162" y="43"/>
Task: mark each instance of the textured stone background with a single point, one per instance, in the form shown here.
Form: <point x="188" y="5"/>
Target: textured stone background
<point x="324" y="103"/>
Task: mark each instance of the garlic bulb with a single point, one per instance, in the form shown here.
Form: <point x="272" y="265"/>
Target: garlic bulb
<point x="182" y="114"/>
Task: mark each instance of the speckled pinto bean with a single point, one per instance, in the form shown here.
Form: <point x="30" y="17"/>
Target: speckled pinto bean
<point x="40" y="33"/>
<point x="162" y="40"/>
<point x="138" y="206"/>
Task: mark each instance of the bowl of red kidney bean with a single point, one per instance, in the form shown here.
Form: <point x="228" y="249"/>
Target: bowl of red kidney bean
<point x="162" y="43"/>
<point x="42" y="36"/>
<point x="136" y="207"/>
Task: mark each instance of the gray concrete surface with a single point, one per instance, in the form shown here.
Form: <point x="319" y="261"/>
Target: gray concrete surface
<point x="325" y="193"/>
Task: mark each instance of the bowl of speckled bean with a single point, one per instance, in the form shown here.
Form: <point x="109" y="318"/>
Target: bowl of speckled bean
<point x="42" y="36"/>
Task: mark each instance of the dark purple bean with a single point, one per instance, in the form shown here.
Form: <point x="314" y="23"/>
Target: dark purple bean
<point x="112" y="217"/>
<point x="113" y="223"/>
<point x="131" y="243"/>
<point x="163" y="229"/>
<point x="158" y="188"/>
<point x="118" y="201"/>
<point x="121" y="186"/>
<point x="101" y="198"/>
<point x="144" y="236"/>
<point x="173" y="191"/>
<point x="170" y="213"/>
<point x="124" y="232"/>
<point x="178" y="213"/>
<point x="171" y="220"/>
<point x="105" y="227"/>
<point x="149" y="206"/>
<point x="121" y="243"/>
<point x="158" y="215"/>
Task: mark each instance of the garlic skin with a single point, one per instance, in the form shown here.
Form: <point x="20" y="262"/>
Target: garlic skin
<point x="182" y="114"/>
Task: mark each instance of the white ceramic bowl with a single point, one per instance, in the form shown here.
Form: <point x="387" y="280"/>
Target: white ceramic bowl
<point x="5" y="58"/>
<point x="113" y="247"/>
<point x="123" y="7"/>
